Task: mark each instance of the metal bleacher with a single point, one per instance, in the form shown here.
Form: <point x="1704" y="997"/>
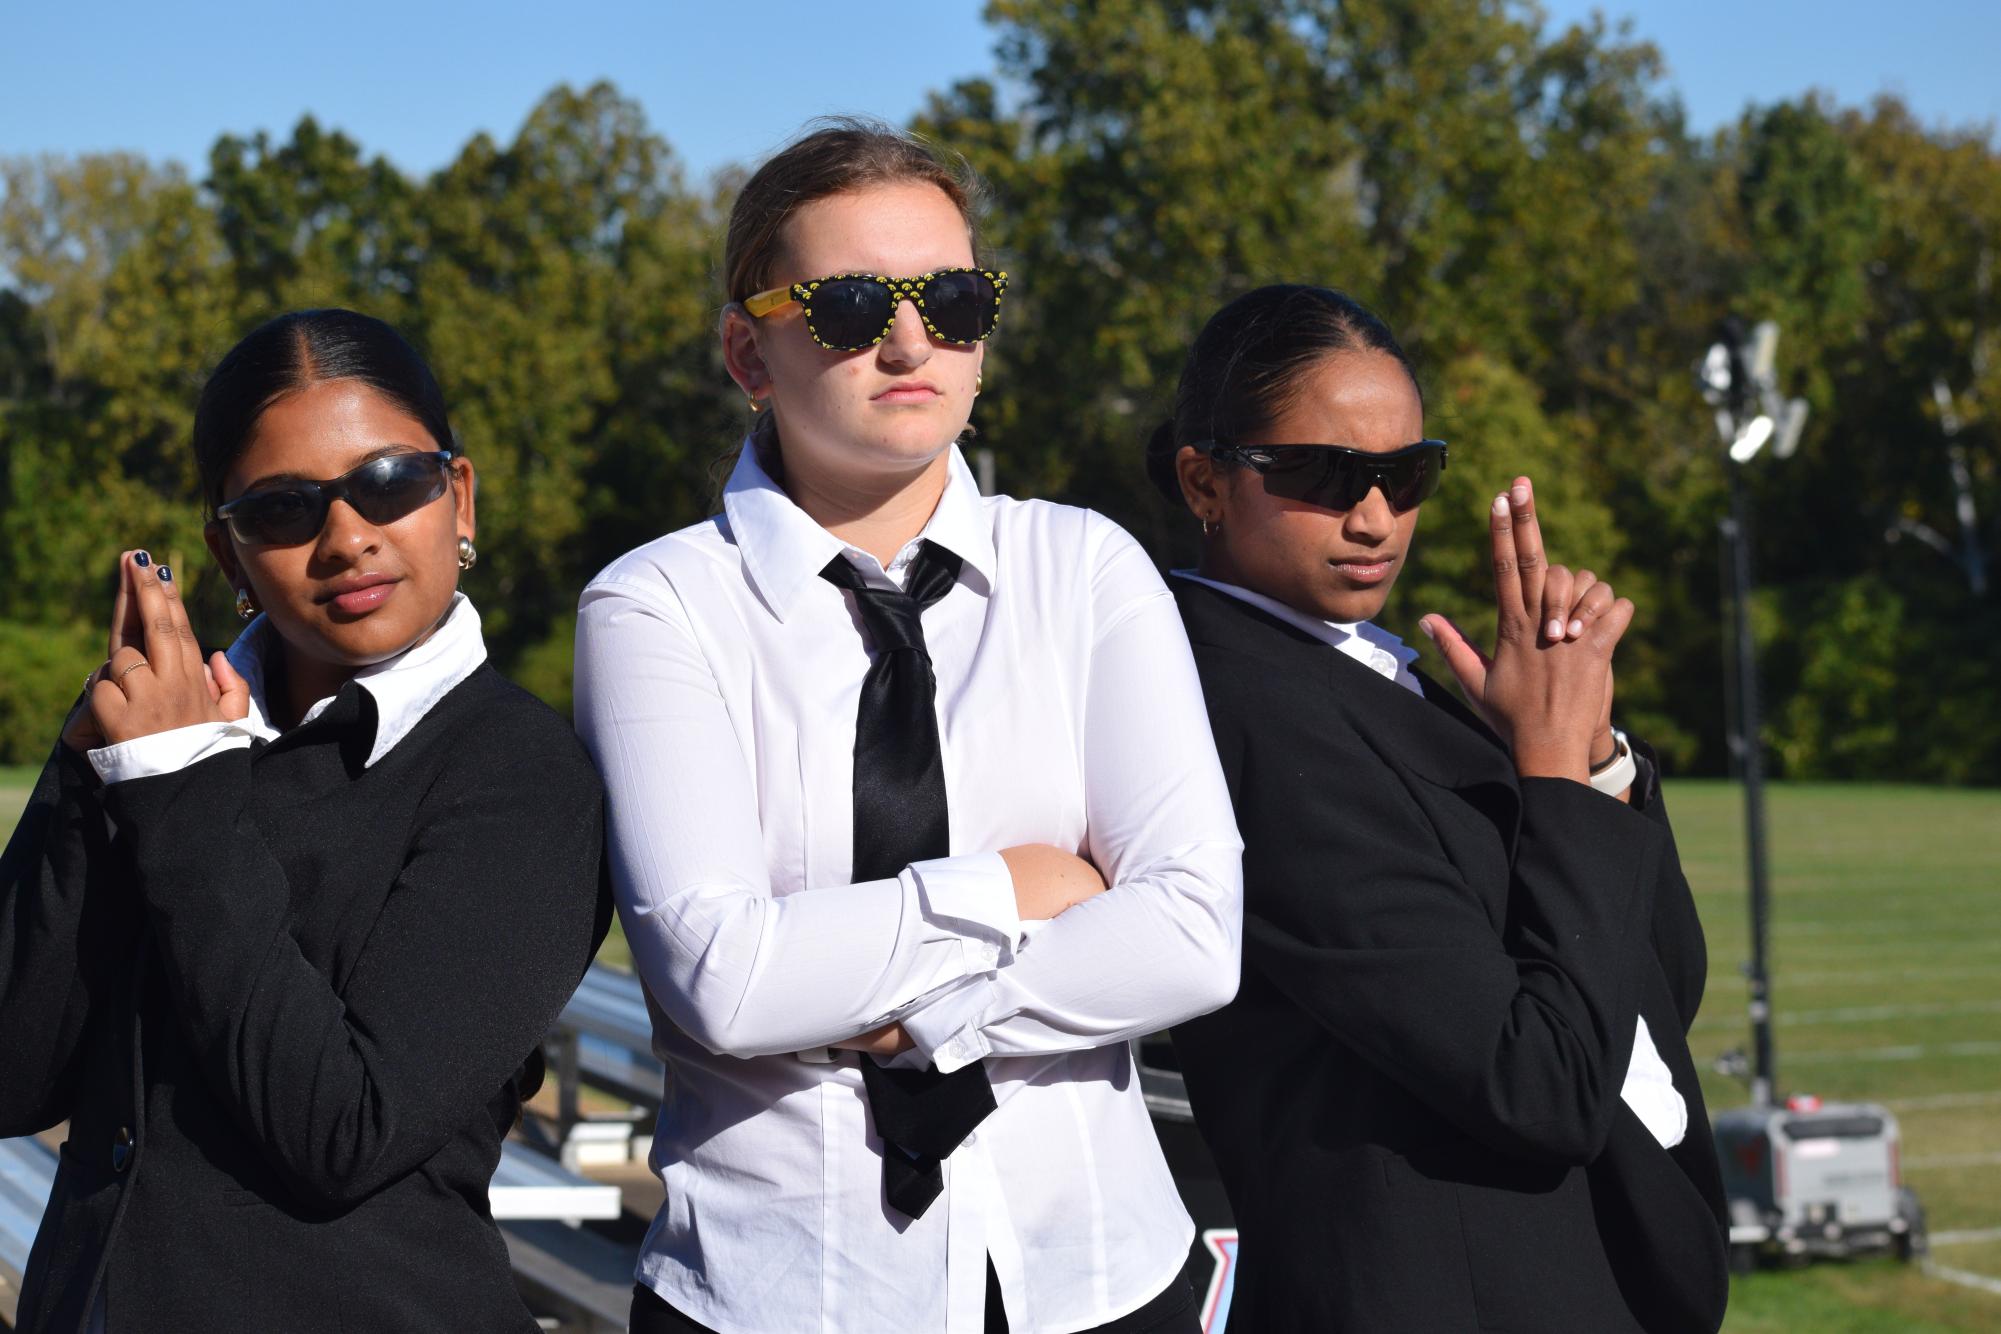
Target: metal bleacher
<point x="27" y="1174"/>
<point x="577" y="1280"/>
<point x="529" y="1190"/>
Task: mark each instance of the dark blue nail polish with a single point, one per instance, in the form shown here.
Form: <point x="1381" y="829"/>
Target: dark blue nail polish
<point x="141" y="559"/>
<point x="166" y="575"/>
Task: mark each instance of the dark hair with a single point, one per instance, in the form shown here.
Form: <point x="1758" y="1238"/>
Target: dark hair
<point x="835" y="154"/>
<point x="1249" y="362"/>
<point x="294" y="352"/>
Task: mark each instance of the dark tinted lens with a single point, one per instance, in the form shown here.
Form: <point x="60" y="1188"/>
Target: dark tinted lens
<point x="1337" y="479"/>
<point x="849" y="313"/>
<point x="1413" y="479"/>
<point x="387" y="489"/>
<point x="283" y="517"/>
<point x="961" y="305"/>
<point x="1324" y="477"/>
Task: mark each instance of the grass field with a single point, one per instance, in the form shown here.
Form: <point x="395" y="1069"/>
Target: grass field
<point x="1887" y="985"/>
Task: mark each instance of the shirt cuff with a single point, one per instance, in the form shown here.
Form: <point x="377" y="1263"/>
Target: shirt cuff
<point x="946" y="1032"/>
<point x="165" y="752"/>
<point x="973" y="896"/>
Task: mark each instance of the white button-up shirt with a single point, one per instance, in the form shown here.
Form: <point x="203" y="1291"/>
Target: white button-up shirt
<point x="718" y="680"/>
<point x="1649" y="1086"/>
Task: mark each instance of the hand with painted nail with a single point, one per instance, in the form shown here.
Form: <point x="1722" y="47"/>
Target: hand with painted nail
<point x="156" y="680"/>
<point x="1547" y="687"/>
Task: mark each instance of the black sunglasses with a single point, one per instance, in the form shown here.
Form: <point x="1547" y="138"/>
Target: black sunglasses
<point x="850" y="311"/>
<point x="381" y="491"/>
<point x="1336" y="477"/>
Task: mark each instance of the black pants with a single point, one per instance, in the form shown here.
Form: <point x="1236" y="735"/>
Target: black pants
<point x="1172" y="1312"/>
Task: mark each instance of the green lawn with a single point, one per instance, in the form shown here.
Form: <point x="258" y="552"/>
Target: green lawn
<point x="1887" y="984"/>
<point x="1886" y="980"/>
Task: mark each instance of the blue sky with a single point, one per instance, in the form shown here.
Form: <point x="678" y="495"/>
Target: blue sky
<point x="725" y="82"/>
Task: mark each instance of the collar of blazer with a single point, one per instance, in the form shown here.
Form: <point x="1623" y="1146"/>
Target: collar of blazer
<point x="1437" y="736"/>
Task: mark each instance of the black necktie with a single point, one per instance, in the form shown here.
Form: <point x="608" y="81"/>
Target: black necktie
<point x="900" y="818"/>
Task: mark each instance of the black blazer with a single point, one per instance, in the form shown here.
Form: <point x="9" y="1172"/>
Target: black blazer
<point x="1414" y="1100"/>
<point x="286" y="1003"/>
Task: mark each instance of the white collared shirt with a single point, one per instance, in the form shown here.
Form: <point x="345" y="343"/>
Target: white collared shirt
<point x="403" y="687"/>
<point x="718" y="679"/>
<point x="1649" y="1086"/>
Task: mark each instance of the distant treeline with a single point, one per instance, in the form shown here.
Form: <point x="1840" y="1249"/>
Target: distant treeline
<point x="1524" y="205"/>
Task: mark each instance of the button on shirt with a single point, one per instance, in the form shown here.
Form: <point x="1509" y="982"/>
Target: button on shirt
<point x="718" y="678"/>
<point x="1649" y="1086"/>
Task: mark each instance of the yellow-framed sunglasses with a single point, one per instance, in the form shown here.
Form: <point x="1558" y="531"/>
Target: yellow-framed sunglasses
<point x="846" y="312"/>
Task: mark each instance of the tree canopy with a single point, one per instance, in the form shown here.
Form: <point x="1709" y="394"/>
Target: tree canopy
<point x="1522" y="203"/>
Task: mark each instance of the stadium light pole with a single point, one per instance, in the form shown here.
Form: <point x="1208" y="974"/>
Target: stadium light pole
<point x="1739" y="381"/>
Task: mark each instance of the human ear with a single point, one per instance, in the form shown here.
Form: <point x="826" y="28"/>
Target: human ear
<point x="1201" y="485"/>
<point x="741" y="354"/>
<point x="216" y="537"/>
<point x="463" y="495"/>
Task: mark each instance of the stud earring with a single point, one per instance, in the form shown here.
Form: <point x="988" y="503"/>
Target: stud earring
<point x="246" y="606"/>
<point x="468" y="554"/>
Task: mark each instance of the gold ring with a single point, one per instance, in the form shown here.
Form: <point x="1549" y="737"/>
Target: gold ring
<point x="133" y="668"/>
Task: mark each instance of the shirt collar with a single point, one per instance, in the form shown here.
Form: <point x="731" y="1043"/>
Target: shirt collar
<point x="784" y="550"/>
<point x="403" y="687"/>
<point x="1364" y="641"/>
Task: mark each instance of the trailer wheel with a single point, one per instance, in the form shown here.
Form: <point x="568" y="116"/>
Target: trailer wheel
<point x="1914" y="1242"/>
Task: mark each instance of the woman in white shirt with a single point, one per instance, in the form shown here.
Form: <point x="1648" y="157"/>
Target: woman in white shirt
<point x="1044" y="864"/>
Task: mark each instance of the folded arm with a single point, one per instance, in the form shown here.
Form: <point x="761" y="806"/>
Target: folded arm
<point x="67" y="930"/>
<point x="492" y="920"/>
<point x="740" y="970"/>
<point x="1161" y="944"/>
<point x="1521" y="1038"/>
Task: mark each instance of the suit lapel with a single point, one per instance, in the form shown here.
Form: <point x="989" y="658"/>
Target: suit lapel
<point x="1437" y="736"/>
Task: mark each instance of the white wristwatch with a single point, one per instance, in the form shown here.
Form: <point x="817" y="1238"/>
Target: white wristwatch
<point x="1618" y="775"/>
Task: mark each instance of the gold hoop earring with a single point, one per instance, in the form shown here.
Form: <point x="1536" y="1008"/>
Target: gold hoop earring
<point x="755" y="406"/>
<point x="468" y="554"/>
<point x="979" y="383"/>
<point x="246" y="606"/>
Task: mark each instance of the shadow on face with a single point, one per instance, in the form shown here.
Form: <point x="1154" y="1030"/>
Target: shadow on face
<point x="1337" y="565"/>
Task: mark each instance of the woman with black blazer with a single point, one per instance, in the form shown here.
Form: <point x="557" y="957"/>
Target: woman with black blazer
<point x="1454" y="1091"/>
<point x="281" y="932"/>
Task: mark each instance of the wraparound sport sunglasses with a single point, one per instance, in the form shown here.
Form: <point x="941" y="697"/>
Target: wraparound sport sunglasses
<point x="847" y="312"/>
<point x="1336" y="477"/>
<point x="381" y="491"/>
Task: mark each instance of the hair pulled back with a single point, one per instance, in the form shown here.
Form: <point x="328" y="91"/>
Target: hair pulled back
<point x="296" y="351"/>
<point x="1249" y="363"/>
<point x="832" y="156"/>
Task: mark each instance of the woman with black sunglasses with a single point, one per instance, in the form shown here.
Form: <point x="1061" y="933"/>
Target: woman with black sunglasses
<point x="915" y="819"/>
<point x="1454" y="1091"/>
<point x="281" y="932"/>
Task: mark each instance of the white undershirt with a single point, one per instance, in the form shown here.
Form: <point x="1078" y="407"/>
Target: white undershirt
<point x="1649" y="1086"/>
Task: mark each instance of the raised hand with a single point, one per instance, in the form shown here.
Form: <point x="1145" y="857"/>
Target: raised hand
<point x="155" y="680"/>
<point x="1547" y="687"/>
